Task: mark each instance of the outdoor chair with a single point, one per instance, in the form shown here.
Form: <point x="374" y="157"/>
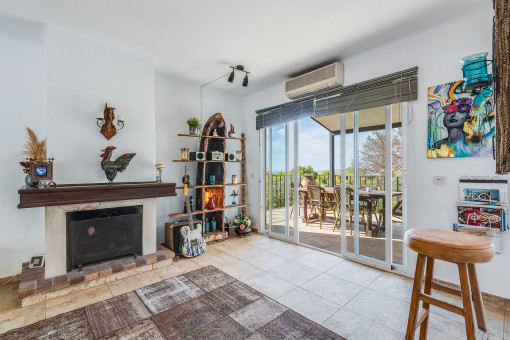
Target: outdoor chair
<point x="396" y="211"/>
<point x="319" y="203"/>
<point x="301" y="203"/>
<point x="363" y="206"/>
<point x="338" y="205"/>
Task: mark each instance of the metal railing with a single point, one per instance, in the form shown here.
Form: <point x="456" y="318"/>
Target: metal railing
<point x="278" y="200"/>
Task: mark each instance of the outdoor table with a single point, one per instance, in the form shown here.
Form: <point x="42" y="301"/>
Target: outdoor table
<point x="366" y="196"/>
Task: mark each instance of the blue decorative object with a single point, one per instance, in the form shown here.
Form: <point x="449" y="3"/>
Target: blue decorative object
<point x="474" y="71"/>
<point x="212" y="179"/>
<point x="206" y="226"/>
<point x="213" y="225"/>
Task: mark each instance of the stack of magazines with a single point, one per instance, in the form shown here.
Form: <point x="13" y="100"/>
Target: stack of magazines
<point x="482" y="209"/>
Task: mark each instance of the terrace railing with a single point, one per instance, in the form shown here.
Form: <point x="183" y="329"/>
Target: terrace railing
<point x="278" y="200"/>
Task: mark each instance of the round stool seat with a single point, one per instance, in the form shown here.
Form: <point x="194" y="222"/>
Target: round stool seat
<point x="449" y="246"/>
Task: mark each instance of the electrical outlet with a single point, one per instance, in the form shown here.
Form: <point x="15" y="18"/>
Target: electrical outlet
<point x="439" y="180"/>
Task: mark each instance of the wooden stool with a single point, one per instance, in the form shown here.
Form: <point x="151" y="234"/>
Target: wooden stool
<point x="464" y="250"/>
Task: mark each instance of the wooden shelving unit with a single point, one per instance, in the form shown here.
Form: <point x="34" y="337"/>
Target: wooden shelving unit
<point x="205" y="168"/>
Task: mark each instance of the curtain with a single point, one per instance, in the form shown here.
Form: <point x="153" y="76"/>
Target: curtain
<point x="501" y="74"/>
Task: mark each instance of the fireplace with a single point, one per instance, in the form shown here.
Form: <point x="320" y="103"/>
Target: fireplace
<point x="102" y="234"/>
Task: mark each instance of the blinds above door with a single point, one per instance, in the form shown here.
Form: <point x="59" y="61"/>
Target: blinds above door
<point x="393" y="88"/>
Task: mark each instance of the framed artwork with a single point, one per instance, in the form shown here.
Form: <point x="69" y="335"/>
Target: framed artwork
<point x="461" y="123"/>
<point x="41" y="171"/>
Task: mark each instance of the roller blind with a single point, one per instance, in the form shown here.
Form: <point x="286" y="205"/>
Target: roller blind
<point x="393" y="88"/>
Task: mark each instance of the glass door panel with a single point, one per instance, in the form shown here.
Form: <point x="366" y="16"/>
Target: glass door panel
<point x="279" y="185"/>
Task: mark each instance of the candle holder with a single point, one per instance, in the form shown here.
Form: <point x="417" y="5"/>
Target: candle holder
<point x="159" y="168"/>
<point x="184" y="154"/>
<point x="105" y="121"/>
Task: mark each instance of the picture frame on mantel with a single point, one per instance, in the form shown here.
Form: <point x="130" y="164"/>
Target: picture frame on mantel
<point x="41" y="171"/>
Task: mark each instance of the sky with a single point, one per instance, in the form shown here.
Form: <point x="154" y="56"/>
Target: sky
<point x="313" y="142"/>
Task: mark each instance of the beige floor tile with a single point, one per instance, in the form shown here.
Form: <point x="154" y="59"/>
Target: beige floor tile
<point x="162" y="264"/>
<point x="308" y="304"/>
<point x="76" y="300"/>
<point x="9" y="297"/>
<point x="20" y="317"/>
<point x="269" y="285"/>
<point x="180" y="266"/>
<point x="333" y="288"/>
<point x="34" y="299"/>
<point x="133" y="282"/>
<point x="381" y="308"/>
<point x="265" y="260"/>
<point x="393" y="285"/>
<point x="354" y="326"/>
<point x="295" y="273"/>
<point x="241" y="251"/>
<point x="267" y="243"/>
<point x="207" y="259"/>
<point x="441" y="327"/>
<point x="291" y="251"/>
<point x="320" y="261"/>
<point x="240" y="269"/>
<point x="356" y="273"/>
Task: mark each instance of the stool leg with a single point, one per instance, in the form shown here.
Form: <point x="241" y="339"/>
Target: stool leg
<point x="415" y="302"/>
<point x="466" y="301"/>
<point x="477" y="297"/>
<point x="429" y="273"/>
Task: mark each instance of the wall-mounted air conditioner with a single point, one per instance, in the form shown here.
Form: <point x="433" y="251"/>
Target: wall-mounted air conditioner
<point x="323" y="78"/>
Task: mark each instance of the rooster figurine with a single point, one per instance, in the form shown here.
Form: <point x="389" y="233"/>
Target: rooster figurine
<point x="111" y="168"/>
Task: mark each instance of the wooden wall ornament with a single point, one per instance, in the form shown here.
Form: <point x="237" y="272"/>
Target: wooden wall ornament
<point x="106" y="122"/>
<point x="501" y="74"/>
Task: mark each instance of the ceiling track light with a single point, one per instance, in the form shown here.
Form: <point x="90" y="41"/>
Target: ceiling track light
<point x="232" y="74"/>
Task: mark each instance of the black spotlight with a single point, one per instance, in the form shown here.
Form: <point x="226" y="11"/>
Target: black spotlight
<point x="245" y="81"/>
<point x="231" y="76"/>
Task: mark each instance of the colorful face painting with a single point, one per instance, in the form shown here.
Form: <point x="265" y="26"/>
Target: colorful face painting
<point x="460" y="123"/>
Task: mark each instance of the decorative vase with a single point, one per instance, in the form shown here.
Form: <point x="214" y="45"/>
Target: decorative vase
<point x="234" y="201"/>
<point x="206" y="226"/>
<point x="231" y="133"/>
<point x="234" y="179"/>
<point x="242" y="232"/>
<point x="307" y="180"/>
<point x="211" y="204"/>
<point x="194" y="130"/>
<point x="184" y="154"/>
<point x="212" y="179"/>
<point x="213" y="225"/>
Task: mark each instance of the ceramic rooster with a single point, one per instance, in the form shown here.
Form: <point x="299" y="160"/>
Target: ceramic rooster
<point x="111" y="168"/>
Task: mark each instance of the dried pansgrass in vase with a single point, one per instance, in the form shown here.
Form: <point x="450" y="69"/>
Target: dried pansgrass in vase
<point x="34" y="148"/>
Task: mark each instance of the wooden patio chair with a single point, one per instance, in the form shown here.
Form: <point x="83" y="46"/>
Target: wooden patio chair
<point x="396" y="211"/>
<point x="301" y="203"/>
<point x="338" y="204"/>
<point x="363" y="207"/>
<point x="319" y="203"/>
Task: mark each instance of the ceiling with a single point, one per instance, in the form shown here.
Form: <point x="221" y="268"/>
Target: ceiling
<point x="197" y="40"/>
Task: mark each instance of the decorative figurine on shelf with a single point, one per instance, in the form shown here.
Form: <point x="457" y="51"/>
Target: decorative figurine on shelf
<point x="193" y="126"/>
<point x="211" y="204"/>
<point x="231" y="133"/>
<point x="186" y="178"/>
<point x="215" y="133"/>
<point x="105" y="122"/>
<point x="159" y="168"/>
<point x="111" y="168"/>
<point x="234" y="194"/>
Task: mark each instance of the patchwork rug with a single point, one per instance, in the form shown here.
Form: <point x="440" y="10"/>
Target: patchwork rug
<point x="202" y="304"/>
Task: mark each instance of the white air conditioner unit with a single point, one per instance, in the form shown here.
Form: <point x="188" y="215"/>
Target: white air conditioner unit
<point x="323" y="78"/>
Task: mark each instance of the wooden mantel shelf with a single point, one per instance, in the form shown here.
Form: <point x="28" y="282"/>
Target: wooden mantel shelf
<point x="65" y="194"/>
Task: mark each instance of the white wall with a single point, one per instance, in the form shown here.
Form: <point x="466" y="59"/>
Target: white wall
<point x="436" y="51"/>
<point x="22" y="94"/>
<point x="82" y="76"/>
<point x="176" y="101"/>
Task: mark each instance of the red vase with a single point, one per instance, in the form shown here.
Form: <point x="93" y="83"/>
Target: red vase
<point x="211" y="204"/>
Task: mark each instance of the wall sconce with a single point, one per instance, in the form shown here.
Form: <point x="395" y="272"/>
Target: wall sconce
<point x="105" y="121"/>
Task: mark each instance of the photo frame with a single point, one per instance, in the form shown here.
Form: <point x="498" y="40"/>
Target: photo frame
<point x="41" y="171"/>
<point x="36" y="262"/>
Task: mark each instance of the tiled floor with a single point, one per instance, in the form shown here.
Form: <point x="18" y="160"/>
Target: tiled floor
<point x="352" y="300"/>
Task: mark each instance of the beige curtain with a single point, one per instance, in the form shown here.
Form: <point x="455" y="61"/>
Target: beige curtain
<point x="501" y="56"/>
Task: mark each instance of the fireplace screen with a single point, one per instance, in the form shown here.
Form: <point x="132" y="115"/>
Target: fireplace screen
<point x="98" y="235"/>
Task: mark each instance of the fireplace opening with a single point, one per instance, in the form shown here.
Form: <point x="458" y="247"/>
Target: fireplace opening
<point x="103" y="234"/>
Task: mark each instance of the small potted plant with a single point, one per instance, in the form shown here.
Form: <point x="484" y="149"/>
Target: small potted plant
<point x="242" y="224"/>
<point x="194" y="126"/>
